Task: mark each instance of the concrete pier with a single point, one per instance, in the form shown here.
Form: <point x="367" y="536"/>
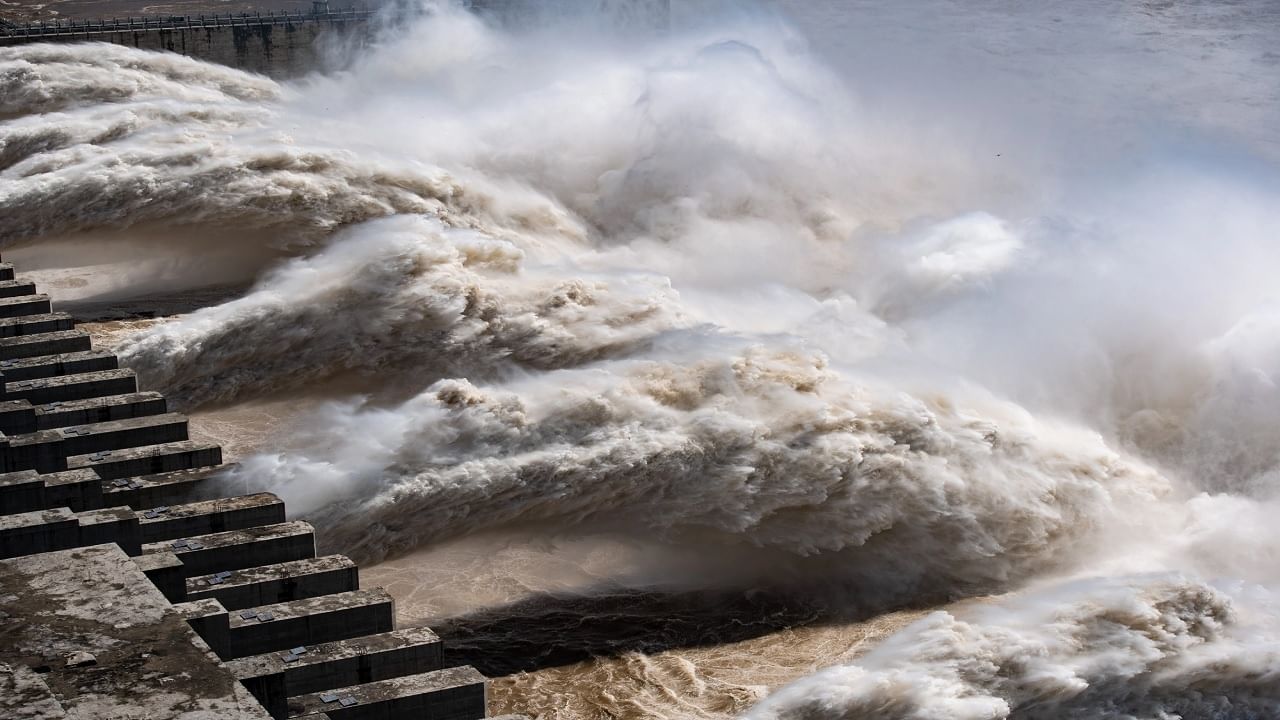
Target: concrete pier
<point x="308" y="622"/>
<point x="211" y="516"/>
<point x="453" y="694"/>
<point x="149" y="460"/>
<point x="99" y="409"/>
<point x="51" y="365"/>
<point x="281" y="582"/>
<point x="275" y="677"/>
<point x="14" y="346"/>
<point x="130" y="586"/>
<point x="64" y="388"/>
<point x="239" y="549"/>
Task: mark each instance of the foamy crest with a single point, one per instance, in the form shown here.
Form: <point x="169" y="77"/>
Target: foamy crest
<point x="1146" y="647"/>
<point x="406" y="295"/>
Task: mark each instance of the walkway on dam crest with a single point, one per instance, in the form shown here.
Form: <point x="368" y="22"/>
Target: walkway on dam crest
<point x="131" y="586"/>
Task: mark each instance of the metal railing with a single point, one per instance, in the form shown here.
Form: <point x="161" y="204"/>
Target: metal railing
<point x="58" y="28"/>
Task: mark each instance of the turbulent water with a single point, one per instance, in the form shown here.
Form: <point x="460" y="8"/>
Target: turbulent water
<point x="833" y="360"/>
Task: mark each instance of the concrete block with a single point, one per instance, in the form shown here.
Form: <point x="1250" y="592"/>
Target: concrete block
<point x="238" y="549"/>
<point x="21" y="492"/>
<point x="149" y="460"/>
<point x="13" y="346"/>
<point x="309" y="622"/>
<point x="210" y="516"/>
<point x="98" y="409"/>
<point x="40" y="451"/>
<point x="28" y="491"/>
<point x="110" y="525"/>
<point x="274" y="677"/>
<point x="6" y="271"/>
<point x="281" y="582"/>
<point x="170" y="488"/>
<point x="38" y="532"/>
<point x="43" y="366"/>
<point x="210" y="621"/>
<point x="24" y="695"/>
<point x="164" y="570"/>
<point x="453" y="694"/>
<point x="36" y="324"/>
<point x="121" y="434"/>
<point x="43" y="391"/>
<point x="14" y="288"/>
<point x="77" y="489"/>
<point x="17" y="417"/>
<point x="18" y="306"/>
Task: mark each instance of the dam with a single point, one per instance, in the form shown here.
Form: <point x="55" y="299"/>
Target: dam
<point x="280" y="44"/>
<point x="133" y="583"/>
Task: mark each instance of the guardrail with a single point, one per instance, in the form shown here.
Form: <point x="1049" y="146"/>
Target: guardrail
<point x="60" y="28"/>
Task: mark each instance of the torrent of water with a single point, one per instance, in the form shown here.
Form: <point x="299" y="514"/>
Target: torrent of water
<point x="813" y="361"/>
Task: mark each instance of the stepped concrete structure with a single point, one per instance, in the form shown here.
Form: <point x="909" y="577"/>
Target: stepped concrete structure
<point x="130" y="587"/>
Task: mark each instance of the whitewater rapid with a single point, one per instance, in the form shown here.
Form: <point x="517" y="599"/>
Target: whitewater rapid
<point x="692" y="289"/>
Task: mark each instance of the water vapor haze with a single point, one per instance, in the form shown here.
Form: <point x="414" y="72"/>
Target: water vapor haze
<point x="707" y="288"/>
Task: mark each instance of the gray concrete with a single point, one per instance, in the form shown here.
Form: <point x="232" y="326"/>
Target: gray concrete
<point x="44" y="531"/>
<point x="98" y="409"/>
<point x="149" y="460"/>
<point x="309" y="622"/>
<point x="36" y="324"/>
<point x="43" y="366"/>
<point x="121" y="434"/>
<point x="276" y="44"/>
<point x="164" y="570"/>
<point x="210" y="516"/>
<point x="40" y="451"/>
<point x="452" y="694"/>
<point x="72" y="387"/>
<point x="38" y="532"/>
<point x="277" y="583"/>
<point x="21" y="492"/>
<point x="14" y="288"/>
<point x="169" y="488"/>
<point x="147" y="662"/>
<point x="17" y="417"/>
<point x="239" y="549"/>
<point x="47" y="450"/>
<point x="275" y="677"/>
<point x="27" y="490"/>
<point x="6" y="271"/>
<point x="14" y="346"/>
<point x="12" y="307"/>
<point x="76" y="489"/>
<point x="110" y="525"/>
<point x="210" y="621"/>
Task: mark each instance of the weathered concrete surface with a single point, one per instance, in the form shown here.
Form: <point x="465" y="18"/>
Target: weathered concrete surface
<point x="211" y="516"/>
<point x="149" y="460"/>
<point x="307" y="622"/>
<point x="36" y="324"/>
<point x="167" y="488"/>
<point x="277" y="583"/>
<point x="239" y="549"/>
<point x="64" y="388"/>
<point x="452" y="694"/>
<point x="143" y="659"/>
<point x="275" y="677"/>
<point x="62" y="364"/>
<point x="15" y="345"/>
<point x="99" y="409"/>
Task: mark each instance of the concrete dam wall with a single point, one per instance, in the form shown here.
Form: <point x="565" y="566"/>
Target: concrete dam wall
<point x="278" y="44"/>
